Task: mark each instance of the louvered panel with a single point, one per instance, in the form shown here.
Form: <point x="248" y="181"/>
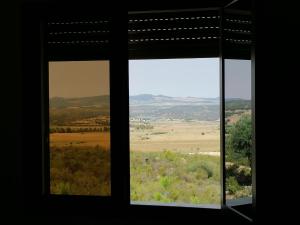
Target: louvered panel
<point x="78" y="37"/>
<point x="237" y="34"/>
<point x="160" y="33"/>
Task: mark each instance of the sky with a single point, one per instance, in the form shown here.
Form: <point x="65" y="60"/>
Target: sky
<point x="171" y="77"/>
<point x="71" y="79"/>
<point x="175" y="77"/>
<point x="238" y="79"/>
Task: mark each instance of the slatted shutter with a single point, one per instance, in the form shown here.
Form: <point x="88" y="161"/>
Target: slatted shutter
<point x="189" y="33"/>
<point x="78" y="37"/>
<point x="237" y="34"/>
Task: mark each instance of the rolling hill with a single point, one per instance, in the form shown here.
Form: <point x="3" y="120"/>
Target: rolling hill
<point x="155" y="107"/>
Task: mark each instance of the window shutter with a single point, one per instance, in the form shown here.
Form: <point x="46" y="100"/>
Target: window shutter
<point x="167" y="34"/>
<point x="237" y="34"/>
<point x="78" y="37"/>
<point x="189" y="33"/>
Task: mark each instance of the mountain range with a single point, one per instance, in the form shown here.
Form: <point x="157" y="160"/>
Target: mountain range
<point x="153" y="107"/>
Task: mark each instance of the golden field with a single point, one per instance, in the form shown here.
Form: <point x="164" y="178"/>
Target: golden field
<point x="102" y="139"/>
<point x="179" y="136"/>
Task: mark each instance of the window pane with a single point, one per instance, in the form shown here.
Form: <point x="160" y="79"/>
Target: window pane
<point x="175" y="132"/>
<point x="79" y="109"/>
<point x="238" y="130"/>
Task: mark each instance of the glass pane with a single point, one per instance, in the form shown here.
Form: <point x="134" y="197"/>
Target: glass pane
<point x="175" y="132"/>
<point x="79" y="109"/>
<point x="238" y="131"/>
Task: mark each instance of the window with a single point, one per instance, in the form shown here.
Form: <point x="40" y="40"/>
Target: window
<point x="79" y="122"/>
<point x="238" y="131"/>
<point x="175" y="132"/>
<point x="167" y="162"/>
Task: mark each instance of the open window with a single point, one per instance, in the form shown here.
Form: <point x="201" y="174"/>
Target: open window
<point x="175" y="132"/>
<point x="162" y="133"/>
<point x="191" y="108"/>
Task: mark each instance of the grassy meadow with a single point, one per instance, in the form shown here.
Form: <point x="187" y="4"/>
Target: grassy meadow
<point x="173" y="177"/>
<point x="175" y="161"/>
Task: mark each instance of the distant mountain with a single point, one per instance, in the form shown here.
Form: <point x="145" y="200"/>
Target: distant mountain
<point x="97" y="101"/>
<point x="155" y="107"/>
<point x="64" y="111"/>
<point x="148" y="99"/>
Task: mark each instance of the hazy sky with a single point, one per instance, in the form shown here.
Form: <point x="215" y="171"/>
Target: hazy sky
<point x="238" y="79"/>
<point x="78" y="78"/>
<point x="175" y="77"/>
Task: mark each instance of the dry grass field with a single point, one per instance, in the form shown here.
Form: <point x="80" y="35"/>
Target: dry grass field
<point x="190" y="137"/>
<point x="101" y="139"/>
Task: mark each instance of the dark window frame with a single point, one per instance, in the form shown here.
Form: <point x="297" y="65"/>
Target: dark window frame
<point x="217" y="53"/>
<point x="122" y="196"/>
<point x="223" y="53"/>
<point x="81" y="204"/>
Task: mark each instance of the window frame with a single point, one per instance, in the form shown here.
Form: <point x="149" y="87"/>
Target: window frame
<point x="82" y="204"/>
<point x="119" y="87"/>
<point x="142" y="55"/>
<point x="222" y="55"/>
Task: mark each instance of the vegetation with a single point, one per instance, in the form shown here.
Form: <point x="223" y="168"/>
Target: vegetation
<point x="141" y="126"/>
<point x="64" y="116"/>
<point x="239" y="141"/>
<point x="175" y="177"/>
<point x="238" y="104"/>
<point x="99" y="101"/>
<point x="238" y="155"/>
<point x="62" y="129"/>
<point x="80" y="171"/>
<point x="78" y="165"/>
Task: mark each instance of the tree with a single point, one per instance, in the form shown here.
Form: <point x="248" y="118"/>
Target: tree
<point x="240" y="138"/>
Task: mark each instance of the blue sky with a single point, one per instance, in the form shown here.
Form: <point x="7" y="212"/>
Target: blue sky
<point x="189" y="77"/>
<point x="238" y="79"/>
<point x="175" y="77"/>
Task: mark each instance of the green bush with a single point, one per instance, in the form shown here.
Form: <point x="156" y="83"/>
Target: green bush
<point x="240" y="138"/>
<point x="239" y="141"/>
<point x="79" y="170"/>
<point x="174" y="177"/>
<point x="64" y="188"/>
<point x="232" y="185"/>
<point x="165" y="182"/>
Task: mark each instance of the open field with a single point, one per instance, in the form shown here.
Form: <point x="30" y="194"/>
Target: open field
<point x="80" y="163"/>
<point x="191" y="137"/>
<point x="101" y="139"/>
<point x="175" y="161"/>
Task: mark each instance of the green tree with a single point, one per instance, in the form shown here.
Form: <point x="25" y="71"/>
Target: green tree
<point x="240" y="138"/>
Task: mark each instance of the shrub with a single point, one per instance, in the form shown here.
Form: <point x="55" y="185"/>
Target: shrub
<point x="64" y="188"/>
<point x="240" y="138"/>
<point x="232" y="185"/>
<point x="80" y="170"/>
<point x="165" y="182"/>
<point x="174" y="177"/>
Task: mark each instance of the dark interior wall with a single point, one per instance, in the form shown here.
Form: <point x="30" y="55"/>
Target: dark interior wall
<point x="11" y="91"/>
<point x="275" y="45"/>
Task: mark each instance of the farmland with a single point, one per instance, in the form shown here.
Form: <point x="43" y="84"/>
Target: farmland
<point x="177" y="136"/>
<point x="174" y="150"/>
<point x="80" y="146"/>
